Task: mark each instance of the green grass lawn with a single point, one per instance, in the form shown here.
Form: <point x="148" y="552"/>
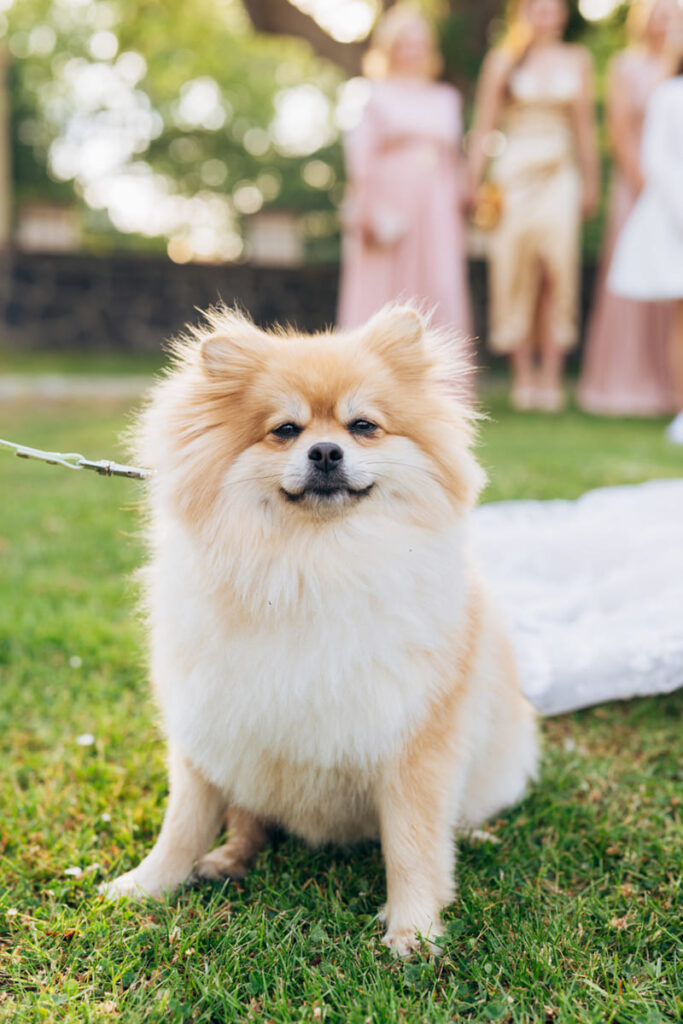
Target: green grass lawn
<point x="112" y="363"/>
<point x="574" y="915"/>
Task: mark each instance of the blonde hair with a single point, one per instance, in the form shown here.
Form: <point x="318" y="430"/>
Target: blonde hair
<point x="638" y="19"/>
<point x="387" y="32"/>
<point x="518" y="34"/>
<point x="513" y="9"/>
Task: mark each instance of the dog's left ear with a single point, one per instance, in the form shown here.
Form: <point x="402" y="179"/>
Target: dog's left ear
<point x="397" y="333"/>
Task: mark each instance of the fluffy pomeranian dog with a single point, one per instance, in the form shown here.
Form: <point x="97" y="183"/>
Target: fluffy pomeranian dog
<point x="324" y="655"/>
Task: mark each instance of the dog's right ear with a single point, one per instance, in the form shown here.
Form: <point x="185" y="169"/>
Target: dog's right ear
<point x="235" y="349"/>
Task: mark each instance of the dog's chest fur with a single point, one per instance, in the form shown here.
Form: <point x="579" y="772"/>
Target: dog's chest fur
<point x="287" y="684"/>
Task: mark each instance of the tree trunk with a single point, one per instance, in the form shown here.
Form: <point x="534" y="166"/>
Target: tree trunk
<point x="467" y="25"/>
<point x="279" y="17"/>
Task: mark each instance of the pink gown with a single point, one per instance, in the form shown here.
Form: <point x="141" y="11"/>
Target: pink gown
<point x="625" y="368"/>
<point x="406" y="176"/>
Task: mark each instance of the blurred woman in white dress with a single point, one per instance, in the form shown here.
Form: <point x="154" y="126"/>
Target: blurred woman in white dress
<point x="648" y="259"/>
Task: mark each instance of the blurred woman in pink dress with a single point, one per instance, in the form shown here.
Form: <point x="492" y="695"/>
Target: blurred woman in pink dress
<point x="625" y="366"/>
<point x="404" y="233"/>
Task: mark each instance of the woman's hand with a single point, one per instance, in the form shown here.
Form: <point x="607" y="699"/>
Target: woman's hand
<point x="469" y="197"/>
<point x="467" y="203"/>
<point x="590" y="200"/>
<point x="367" y="231"/>
<point x="636" y="181"/>
<point x="357" y="220"/>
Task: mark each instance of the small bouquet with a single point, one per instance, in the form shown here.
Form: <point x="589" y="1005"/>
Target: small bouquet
<point x="489" y="206"/>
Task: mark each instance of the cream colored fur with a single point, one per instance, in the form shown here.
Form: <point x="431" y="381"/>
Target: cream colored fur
<point x="326" y="662"/>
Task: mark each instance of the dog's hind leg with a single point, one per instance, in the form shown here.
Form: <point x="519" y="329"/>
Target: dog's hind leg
<point x="193" y="818"/>
<point x="246" y="836"/>
<point x="505" y="760"/>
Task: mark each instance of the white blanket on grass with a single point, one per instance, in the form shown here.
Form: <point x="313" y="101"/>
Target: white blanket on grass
<point x="593" y="590"/>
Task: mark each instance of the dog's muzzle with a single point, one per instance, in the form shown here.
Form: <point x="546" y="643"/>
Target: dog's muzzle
<point x="326" y="477"/>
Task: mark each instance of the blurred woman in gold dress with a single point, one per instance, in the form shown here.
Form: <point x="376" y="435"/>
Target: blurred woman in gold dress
<point x="534" y="130"/>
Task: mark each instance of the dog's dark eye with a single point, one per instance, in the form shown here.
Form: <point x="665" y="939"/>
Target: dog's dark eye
<point x="362" y="427"/>
<point x="287" y="431"/>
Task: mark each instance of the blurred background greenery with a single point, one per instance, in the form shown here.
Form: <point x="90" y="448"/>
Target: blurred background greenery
<point x="199" y="129"/>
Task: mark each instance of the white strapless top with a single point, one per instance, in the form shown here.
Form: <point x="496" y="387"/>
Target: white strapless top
<point x="562" y="86"/>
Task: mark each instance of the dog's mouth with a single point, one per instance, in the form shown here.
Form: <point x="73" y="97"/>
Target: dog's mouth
<point x="330" y="492"/>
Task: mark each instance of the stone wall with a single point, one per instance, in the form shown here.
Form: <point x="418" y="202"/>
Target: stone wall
<point x="132" y="303"/>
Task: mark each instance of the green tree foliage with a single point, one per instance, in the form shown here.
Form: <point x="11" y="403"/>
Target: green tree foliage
<point x="167" y="61"/>
<point x="188" y="100"/>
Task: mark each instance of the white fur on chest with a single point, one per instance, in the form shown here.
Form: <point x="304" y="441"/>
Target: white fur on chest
<point x="322" y="656"/>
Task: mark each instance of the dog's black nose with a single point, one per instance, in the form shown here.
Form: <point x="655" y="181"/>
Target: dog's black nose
<point x="325" y="456"/>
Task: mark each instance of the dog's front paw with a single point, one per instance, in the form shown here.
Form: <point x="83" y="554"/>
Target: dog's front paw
<point x="130" y="886"/>
<point x="402" y="941"/>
